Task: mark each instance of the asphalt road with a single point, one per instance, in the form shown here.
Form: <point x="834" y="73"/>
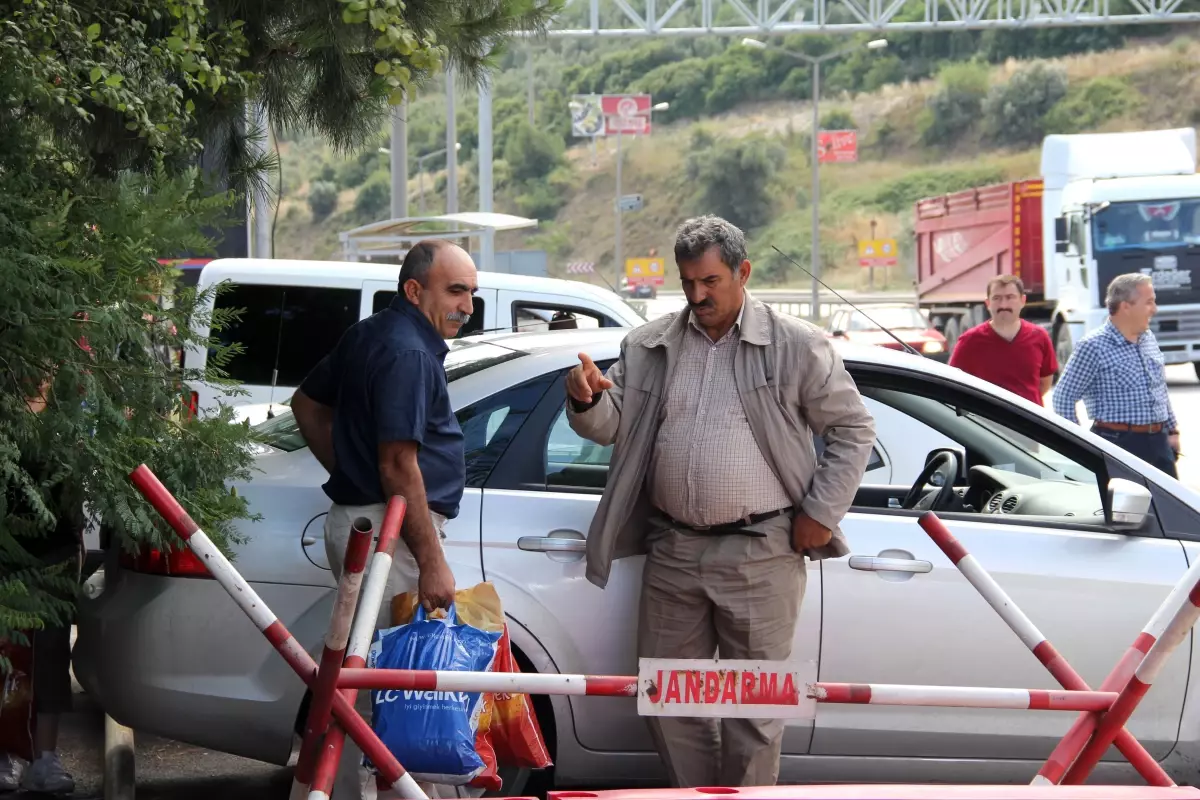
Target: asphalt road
<point x="169" y="770"/>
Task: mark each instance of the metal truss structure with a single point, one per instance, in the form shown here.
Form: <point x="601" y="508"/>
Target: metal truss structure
<point x="606" y="18"/>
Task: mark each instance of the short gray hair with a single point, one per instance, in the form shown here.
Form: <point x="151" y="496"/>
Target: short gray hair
<point x="698" y="235"/>
<point x="1124" y="289"/>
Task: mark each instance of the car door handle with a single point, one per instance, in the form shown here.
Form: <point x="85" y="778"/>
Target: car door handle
<point x="551" y="544"/>
<point x="878" y="564"/>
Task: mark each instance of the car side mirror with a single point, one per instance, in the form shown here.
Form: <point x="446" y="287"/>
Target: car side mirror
<point x="839" y="334"/>
<point x="1129" y="504"/>
<point x="1061" y="239"/>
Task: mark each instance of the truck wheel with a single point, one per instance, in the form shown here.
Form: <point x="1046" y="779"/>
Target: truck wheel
<point x="951" y="332"/>
<point x="1063" y="347"/>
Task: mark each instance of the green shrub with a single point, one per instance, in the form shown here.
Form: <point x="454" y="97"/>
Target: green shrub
<point x="1087" y="107"/>
<point x="838" y="120"/>
<point x="898" y="196"/>
<point x="322" y="199"/>
<point x="1015" y="112"/>
<point x="531" y="153"/>
<point x="374" y="197"/>
<point x="957" y="105"/>
<point x="736" y="177"/>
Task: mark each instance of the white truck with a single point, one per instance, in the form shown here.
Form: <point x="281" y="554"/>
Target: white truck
<point x="1105" y="204"/>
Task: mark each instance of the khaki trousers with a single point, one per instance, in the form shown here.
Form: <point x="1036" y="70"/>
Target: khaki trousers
<point x="353" y="780"/>
<point x="735" y="596"/>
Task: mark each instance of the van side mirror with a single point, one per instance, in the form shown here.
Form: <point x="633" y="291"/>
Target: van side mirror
<point x="1130" y="504"/>
<point x="1061" y="239"/>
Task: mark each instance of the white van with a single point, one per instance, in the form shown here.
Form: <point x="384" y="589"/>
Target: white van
<point x="294" y="312"/>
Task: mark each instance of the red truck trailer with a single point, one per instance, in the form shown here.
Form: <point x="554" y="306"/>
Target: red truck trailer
<point x="965" y="239"/>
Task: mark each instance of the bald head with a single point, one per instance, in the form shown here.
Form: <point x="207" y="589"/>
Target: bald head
<point x="439" y="278"/>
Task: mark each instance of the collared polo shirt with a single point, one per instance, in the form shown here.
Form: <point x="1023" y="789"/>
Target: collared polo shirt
<point x="386" y="382"/>
<point x="1018" y="365"/>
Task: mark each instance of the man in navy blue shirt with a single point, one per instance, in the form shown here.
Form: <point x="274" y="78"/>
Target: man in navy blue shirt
<point x="376" y="413"/>
<point x="1118" y="372"/>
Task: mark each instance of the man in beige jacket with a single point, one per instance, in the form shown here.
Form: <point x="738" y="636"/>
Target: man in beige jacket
<point x="714" y="476"/>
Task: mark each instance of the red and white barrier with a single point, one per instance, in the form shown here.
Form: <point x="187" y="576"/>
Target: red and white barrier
<point x="361" y="636"/>
<point x="1186" y="613"/>
<point x="1055" y="768"/>
<point x="885" y="791"/>
<point x="321" y="706"/>
<point x="1033" y="638"/>
<point x="493" y="682"/>
<point x="887" y="694"/>
<point x="275" y="631"/>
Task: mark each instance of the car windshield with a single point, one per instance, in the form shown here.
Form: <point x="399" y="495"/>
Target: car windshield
<point x="466" y="357"/>
<point x="1151" y="223"/>
<point x="898" y="318"/>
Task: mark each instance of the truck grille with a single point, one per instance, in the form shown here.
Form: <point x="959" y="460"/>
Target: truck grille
<point x="1178" y="326"/>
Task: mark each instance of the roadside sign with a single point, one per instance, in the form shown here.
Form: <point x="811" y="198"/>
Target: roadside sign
<point x="580" y="268"/>
<point x="877" y="253"/>
<point x="587" y="115"/>
<point x="837" y="147"/>
<point x="723" y="689"/>
<point x="630" y="202"/>
<point x="627" y="114"/>
<point x="645" y="270"/>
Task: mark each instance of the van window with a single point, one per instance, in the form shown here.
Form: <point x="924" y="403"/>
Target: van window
<point x="543" y="316"/>
<point x="383" y="299"/>
<point x="293" y="327"/>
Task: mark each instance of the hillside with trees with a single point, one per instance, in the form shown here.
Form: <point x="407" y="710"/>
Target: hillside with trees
<point x="934" y="113"/>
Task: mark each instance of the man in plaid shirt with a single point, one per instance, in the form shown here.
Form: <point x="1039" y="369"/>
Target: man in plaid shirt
<point x="1118" y="372"/>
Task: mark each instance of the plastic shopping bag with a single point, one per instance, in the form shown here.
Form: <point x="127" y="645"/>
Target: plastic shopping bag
<point x="513" y="732"/>
<point x="433" y="734"/>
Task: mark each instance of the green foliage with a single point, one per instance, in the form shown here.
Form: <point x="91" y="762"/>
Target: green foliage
<point x="1087" y="107"/>
<point x="1015" y="111"/>
<point x="322" y="199"/>
<point x="957" y="104"/>
<point x="374" y="197"/>
<point x="898" y="196"/>
<point x="735" y="176"/>
<point x="104" y="108"/>
<point x="531" y="153"/>
<point x="837" y="120"/>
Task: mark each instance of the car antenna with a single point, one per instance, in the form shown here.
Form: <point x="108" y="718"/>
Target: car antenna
<point x="908" y="347"/>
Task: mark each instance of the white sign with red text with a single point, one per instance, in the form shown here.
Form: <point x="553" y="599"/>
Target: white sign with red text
<point x="722" y="688"/>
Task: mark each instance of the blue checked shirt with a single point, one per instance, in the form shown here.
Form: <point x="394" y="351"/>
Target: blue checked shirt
<point x="1118" y="380"/>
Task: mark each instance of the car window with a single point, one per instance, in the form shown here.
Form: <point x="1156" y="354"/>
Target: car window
<point x="542" y="317"/>
<point x="573" y="462"/>
<point x="382" y="299"/>
<point x="1015" y="467"/>
<point x="284" y="328"/>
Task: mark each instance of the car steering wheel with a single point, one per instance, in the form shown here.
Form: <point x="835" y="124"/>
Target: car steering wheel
<point x="944" y="464"/>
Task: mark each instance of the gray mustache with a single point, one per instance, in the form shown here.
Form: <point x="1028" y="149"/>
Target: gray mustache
<point x="459" y="317"/>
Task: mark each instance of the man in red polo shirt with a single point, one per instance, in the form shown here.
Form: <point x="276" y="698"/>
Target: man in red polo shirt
<point x="1007" y="350"/>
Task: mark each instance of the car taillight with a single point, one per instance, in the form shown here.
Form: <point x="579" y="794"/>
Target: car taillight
<point x="175" y="564"/>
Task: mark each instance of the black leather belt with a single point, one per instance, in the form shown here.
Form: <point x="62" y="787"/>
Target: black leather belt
<point x="728" y="528"/>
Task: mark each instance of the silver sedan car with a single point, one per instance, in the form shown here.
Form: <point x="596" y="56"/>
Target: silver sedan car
<point x="165" y="651"/>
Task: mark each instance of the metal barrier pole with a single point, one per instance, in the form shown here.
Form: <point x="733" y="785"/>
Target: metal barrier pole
<point x="885" y="694"/>
<point x="275" y="631"/>
<point x="321" y="707"/>
<point x="120" y="781"/>
<point x="361" y="635"/>
<point x="1077" y="737"/>
<point x="1033" y="638"/>
<point x="1182" y="622"/>
<point x="490" y="682"/>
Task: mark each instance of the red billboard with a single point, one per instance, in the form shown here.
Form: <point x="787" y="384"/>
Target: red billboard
<point x="837" y="147"/>
<point x="626" y="113"/>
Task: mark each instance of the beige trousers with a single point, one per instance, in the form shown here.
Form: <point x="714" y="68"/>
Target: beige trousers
<point x="353" y="779"/>
<point x="735" y="596"/>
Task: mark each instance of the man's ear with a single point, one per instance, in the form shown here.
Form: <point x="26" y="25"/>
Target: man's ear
<point x="744" y="272"/>
<point x="412" y="291"/>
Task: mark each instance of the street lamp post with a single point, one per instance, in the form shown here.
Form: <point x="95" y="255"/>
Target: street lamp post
<point x="618" y="244"/>
<point x="815" y="63"/>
